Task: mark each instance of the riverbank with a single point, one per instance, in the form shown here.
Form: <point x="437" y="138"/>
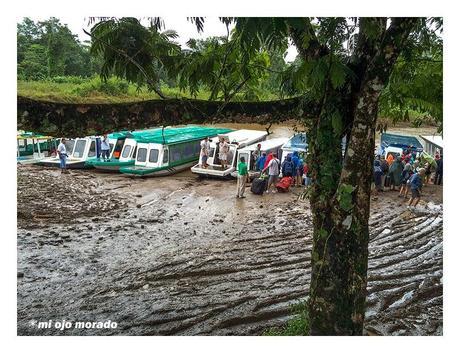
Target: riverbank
<point x="183" y="256"/>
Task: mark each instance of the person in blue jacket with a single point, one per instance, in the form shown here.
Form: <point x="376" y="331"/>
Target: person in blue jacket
<point x="416" y="183"/>
<point x="261" y="161"/>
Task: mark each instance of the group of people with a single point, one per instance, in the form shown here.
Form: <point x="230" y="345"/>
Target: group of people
<point x="270" y="164"/>
<point x="404" y="173"/>
<point x="205" y="148"/>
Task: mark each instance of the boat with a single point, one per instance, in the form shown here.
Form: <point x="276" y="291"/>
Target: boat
<point x="267" y="146"/>
<point x="170" y="150"/>
<point x="81" y="149"/>
<point x="123" y="146"/>
<point x="297" y="143"/>
<point x="396" y="144"/>
<point x="33" y="147"/>
<point x="237" y="140"/>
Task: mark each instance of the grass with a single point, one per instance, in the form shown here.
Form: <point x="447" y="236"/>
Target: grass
<point x="297" y="326"/>
<point x="93" y="90"/>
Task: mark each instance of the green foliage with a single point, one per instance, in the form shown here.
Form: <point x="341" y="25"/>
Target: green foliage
<point x="297" y="326"/>
<point x="344" y="196"/>
<point x="48" y="48"/>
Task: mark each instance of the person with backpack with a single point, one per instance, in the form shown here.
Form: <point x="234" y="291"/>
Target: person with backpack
<point x="416" y="183"/>
<point x="299" y="173"/>
<point x="377" y="178"/>
<point x="273" y="167"/>
<point x="287" y="168"/>
<point x="405" y="176"/>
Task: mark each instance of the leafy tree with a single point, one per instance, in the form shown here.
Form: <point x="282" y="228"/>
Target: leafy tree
<point x="33" y="63"/>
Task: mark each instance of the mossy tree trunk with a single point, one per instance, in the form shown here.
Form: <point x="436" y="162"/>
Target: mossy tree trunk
<point x="340" y="197"/>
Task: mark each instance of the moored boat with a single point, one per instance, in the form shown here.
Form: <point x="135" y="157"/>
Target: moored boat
<point x="78" y="150"/>
<point x="170" y="150"/>
<point x="267" y="146"/>
<point x="33" y="147"/>
<point x="236" y="140"/>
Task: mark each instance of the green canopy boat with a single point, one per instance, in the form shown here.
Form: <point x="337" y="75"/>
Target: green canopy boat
<point x="170" y="150"/>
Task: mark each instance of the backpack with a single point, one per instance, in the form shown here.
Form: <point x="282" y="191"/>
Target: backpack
<point x="288" y="167"/>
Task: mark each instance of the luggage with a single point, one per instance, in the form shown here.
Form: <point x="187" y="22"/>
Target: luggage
<point x="258" y="186"/>
<point x="284" y="184"/>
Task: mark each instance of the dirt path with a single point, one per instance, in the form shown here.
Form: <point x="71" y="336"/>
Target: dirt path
<point x="179" y="256"/>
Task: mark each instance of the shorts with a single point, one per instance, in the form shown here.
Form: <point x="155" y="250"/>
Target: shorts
<point x="415" y="193"/>
<point x="272" y="179"/>
<point x="204" y="159"/>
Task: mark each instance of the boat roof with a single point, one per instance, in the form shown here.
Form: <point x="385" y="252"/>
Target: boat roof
<point x="434" y="139"/>
<point x="401" y="141"/>
<point x="242" y="137"/>
<point x="173" y="135"/>
<point x="266" y="145"/>
<point x="298" y="142"/>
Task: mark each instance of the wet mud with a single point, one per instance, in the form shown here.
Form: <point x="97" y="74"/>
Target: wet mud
<point x="182" y="256"/>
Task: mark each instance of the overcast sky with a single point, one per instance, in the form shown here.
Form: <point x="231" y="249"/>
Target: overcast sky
<point x="184" y="28"/>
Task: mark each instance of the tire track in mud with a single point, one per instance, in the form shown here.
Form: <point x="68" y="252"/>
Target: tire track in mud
<point x="153" y="281"/>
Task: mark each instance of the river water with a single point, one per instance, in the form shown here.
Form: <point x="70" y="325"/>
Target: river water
<point x="182" y="256"/>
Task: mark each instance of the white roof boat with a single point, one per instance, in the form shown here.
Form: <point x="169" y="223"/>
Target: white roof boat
<point x="237" y="140"/>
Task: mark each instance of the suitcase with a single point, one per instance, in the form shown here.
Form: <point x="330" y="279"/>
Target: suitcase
<point x="258" y="186"/>
<point x="284" y="184"/>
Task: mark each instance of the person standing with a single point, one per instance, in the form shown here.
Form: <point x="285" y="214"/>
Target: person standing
<point x="260" y="162"/>
<point x="204" y="152"/>
<point x="223" y="152"/>
<point x="405" y="176"/>
<point x="273" y="171"/>
<point x="62" y="152"/>
<point x="438" y="174"/>
<point x="384" y="167"/>
<point x="416" y="183"/>
<point x="287" y="168"/>
<point x="242" y="178"/>
<point x="105" y="148"/>
<point x="395" y="172"/>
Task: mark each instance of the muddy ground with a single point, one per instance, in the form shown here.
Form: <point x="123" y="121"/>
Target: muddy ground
<point x="182" y="256"/>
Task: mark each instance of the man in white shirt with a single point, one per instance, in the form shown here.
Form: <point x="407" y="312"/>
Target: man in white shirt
<point x="105" y="147"/>
<point x="273" y="172"/>
<point x="223" y="152"/>
<point x="62" y="152"/>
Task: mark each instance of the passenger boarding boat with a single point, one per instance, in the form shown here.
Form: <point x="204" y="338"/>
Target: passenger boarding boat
<point x="122" y="150"/>
<point x="267" y="146"/>
<point x="32" y="147"/>
<point x="236" y="140"/>
<point x="170" y="150"/>
<point x="78" y="150"/>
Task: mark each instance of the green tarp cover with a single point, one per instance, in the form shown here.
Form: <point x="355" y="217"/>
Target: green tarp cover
<point x="172" y="135"/>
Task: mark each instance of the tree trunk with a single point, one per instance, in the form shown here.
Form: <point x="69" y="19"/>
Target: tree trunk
<point x="341" y="208"/>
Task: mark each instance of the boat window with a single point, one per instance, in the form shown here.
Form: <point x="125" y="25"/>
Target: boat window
<point x="134" y="152"/>
<point x="79" y="148"/>
<point x="111" y="146"/>
<point x="118" y="147"/>
<point x="165" y="156"/>
<point x="126" y="150"/>
<point x="92" y="149"/>
<point x="246" y="158"/>
<point x="142" y="154"/>
<point x="153" y="156"/>
<point x="69" y="146"/>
